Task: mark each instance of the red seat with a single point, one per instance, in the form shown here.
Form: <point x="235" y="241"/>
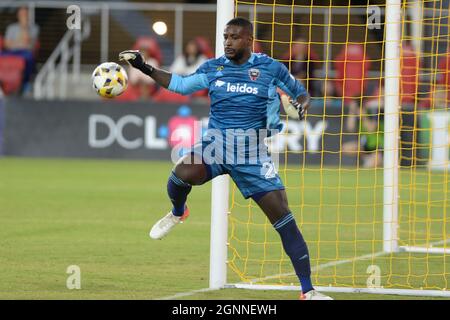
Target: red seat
<point x="11" y="73"/>
<point x="442" y="83"/>
<point x="410" y="65"/>
<point x="444" y="70"/>
<point x="151" y="46"/>
<point x="311" y="55"/>
<point x="204" y="46"/>
<point x="134" y="93"/>
<point x="201" y="93"/>
<point x="352" y="67"/>
<point x="130" y="94"/>
<point x="164" y="95"/>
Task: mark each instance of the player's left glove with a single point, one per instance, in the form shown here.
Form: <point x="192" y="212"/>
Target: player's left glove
<point x="136" y="60"/>
<point x="293" y="109"/>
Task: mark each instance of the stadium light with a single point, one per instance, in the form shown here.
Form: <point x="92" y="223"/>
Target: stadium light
<point x="160" y="27"/>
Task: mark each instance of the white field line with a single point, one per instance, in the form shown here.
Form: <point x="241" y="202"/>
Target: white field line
<point x="314" y="269"/>
<point x="322" y="266"/>
<point x="435" y="243"/>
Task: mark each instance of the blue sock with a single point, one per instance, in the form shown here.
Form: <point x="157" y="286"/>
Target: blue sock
<point x="177" y="190"/>
<point x="296" y="248"/>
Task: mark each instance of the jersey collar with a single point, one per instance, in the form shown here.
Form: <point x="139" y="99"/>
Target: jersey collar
<point x="250" y="60"/>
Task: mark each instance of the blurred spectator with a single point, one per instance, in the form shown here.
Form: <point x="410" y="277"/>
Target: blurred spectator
<point x="369" y="144"/>
<point x="140" y="85"/>
<point x="20" y="40"/>
<point x="257" y="47"/>
<point x="439" y="94"/>
<point x="150" y="46"/>
<point x="2" y="117"/>
<point x="11" y="73"/>
<point x="327" y="97"/>
<point x="439" y="98"/>
<point x="301" y="60"/>
<point x="444" y="71"/>
<point x="196" y="52"/>
<point x="205" y="47"/>
<point x="189" y="61"/>
<point x="409" y="71"/>
<point x="352" y="67"/>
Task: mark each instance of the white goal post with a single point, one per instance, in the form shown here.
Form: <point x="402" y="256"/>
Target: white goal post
<point x="391" y="136"/>
<point x="220" y="185"/>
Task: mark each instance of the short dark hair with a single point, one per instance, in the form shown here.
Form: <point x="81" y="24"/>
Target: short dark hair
<point x="241" y="22"/>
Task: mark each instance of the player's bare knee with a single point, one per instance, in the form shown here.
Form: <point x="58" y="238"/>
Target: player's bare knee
<point x="284" y="210"/>
<point x="182" y="172"/>
<point x="189" y="173"/>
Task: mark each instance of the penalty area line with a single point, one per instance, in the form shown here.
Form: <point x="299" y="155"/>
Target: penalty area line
<point x="338" y="262"/>
<point x="322" y="266"/>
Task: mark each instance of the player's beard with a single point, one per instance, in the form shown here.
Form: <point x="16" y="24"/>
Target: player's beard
<point x="238" y="54"/>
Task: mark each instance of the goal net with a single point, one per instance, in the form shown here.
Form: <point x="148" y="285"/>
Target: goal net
<point x="367" y="172"/>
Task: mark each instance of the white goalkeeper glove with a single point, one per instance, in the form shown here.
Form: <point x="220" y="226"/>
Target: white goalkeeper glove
<point x="293" y="109"/>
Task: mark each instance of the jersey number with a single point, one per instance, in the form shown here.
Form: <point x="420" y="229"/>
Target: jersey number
<point x="268" y="170"/>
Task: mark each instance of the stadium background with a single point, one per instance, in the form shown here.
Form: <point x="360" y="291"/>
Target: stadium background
<point x="66" y="200"/>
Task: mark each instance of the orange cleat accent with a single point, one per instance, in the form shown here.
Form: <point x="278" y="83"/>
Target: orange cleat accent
<point x="185" y="214"/>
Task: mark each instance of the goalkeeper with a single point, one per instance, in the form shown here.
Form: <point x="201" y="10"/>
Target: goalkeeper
<point x="242" y="87"/>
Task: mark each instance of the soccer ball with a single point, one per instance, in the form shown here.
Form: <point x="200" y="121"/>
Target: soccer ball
<point x="109" y="80"/>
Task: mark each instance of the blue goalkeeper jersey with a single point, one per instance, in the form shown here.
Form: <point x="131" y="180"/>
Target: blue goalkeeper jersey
<point x="242" y="96"/>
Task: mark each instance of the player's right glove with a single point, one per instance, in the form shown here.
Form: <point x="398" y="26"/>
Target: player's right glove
<point x="136" y="60"/>
<point x="293" y="109"/>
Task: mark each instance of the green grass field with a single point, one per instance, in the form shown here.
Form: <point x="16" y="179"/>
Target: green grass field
<point x="96" y="214"/>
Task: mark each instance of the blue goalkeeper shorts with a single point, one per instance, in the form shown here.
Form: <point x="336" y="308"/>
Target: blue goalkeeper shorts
<point x="253" y="177"/>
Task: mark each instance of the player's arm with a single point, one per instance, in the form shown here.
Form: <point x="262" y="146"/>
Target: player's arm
<point x="298" y="101"/>
<point x="171" y="81"/>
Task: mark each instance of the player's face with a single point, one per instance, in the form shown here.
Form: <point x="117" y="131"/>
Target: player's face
<point x="237" y="42"/>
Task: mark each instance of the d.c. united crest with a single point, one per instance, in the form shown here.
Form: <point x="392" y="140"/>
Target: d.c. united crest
<point x="254" y="74"/>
